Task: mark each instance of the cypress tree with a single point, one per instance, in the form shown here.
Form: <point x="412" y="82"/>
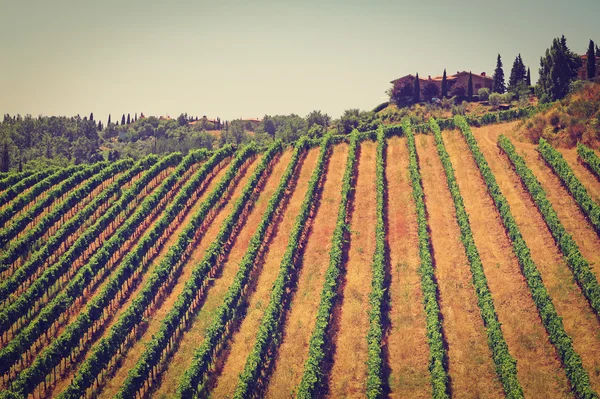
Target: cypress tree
<point x="591" y="61"/>
<point x="123" y="120"/>
<point x="597" y="51"/>
<point x="528" y="78"/>
<point x="499" y="86"/>
<point x="108" y="123"/>
<point x="444" y="85"/>
<point x="470" y="88"/>
<point x="416" y="90"/>
<point x="518" y="74"/>
<point x="91" y="116"/>
<point x="5" y="158"/>
<point x="135" y="117"/>
<point x="100" y="127"/>
<point x="128" y="119"/>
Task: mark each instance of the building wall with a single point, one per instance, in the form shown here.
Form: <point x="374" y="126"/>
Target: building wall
<point x="479" y="82"/>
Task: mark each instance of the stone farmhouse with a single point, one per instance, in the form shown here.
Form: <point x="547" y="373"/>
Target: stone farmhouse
<point x="460" y="79"/>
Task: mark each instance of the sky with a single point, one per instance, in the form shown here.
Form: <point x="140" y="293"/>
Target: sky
<point x="243" y="59"/>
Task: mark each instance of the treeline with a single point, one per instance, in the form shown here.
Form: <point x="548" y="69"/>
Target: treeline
<point x="31" y="144"/>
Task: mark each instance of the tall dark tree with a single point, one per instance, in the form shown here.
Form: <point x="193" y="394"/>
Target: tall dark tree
<point x="558" y="68"/>
<point x="416" y="90"/>
<point x="108" y="123"/>
<point x="470" y="88"/>
<point x="528" y="77"/>
<point x="518" y="74"/>
<point x="135" y="120"/>
<point x="91" y="116"/>
<point x="123" y="120"/>
<point x="597" y="51"/>
<point x="100" y="127"/>
<point x="5" y="158"/>
<point x="591" y="61"/>
<point x="128" y="119"/>
<point x="499" y="86"/>
<point x="444" y="85"/>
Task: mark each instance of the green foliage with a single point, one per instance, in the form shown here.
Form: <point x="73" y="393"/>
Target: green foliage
<point x="312" y="375"/>
<point x="506" y="366"/>
<point x="484" y="94"/>
<point x="558" y="68"/>
<point x="576" y="374"/>
<point x="433" y="322"/>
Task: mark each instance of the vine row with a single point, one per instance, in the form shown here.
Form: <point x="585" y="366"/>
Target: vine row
<point x="312" y="374"/>
<point x="578" y="264"/>
<point x="188" y="301"/>
<point x="506" y="365"/>
<point x="578" y="377"/>
<point x="571" y="182"/>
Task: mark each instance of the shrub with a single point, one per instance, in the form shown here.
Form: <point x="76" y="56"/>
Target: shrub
<point x="507" y="97"/>
<point x="459" y="91"/>
<point x="484" y="94"/>
<point x="495" y="99"/>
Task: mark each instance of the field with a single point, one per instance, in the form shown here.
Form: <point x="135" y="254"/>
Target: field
<point x="453" y="263"/>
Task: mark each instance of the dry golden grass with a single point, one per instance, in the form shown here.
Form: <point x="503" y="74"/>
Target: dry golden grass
<point x="539" y="370"/>
<point x="585" y="176"/>
<point x="406" y="343"/>
<point x="192" y="338"/>
<point x="114" y="383"/>
<point x="578" y="318"/>
<point x="349" y="371"/>
<point x="463" y="326"/>
<point x="300" y="322"/>
<point x="243" y="340"/>
<point x="63" y="383"/>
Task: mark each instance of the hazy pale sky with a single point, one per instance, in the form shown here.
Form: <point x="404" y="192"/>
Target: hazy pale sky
<point x="249" y="58"/>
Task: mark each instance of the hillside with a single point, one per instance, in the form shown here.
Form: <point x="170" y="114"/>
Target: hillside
<point x="379" y="264"/>
<point x="574" y="119"/>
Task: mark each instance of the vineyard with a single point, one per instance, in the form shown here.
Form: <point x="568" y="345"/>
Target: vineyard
<point x="440" y="260"/>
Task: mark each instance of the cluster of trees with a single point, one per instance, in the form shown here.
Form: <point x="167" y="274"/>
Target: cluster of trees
<point x="558" y="68"/>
